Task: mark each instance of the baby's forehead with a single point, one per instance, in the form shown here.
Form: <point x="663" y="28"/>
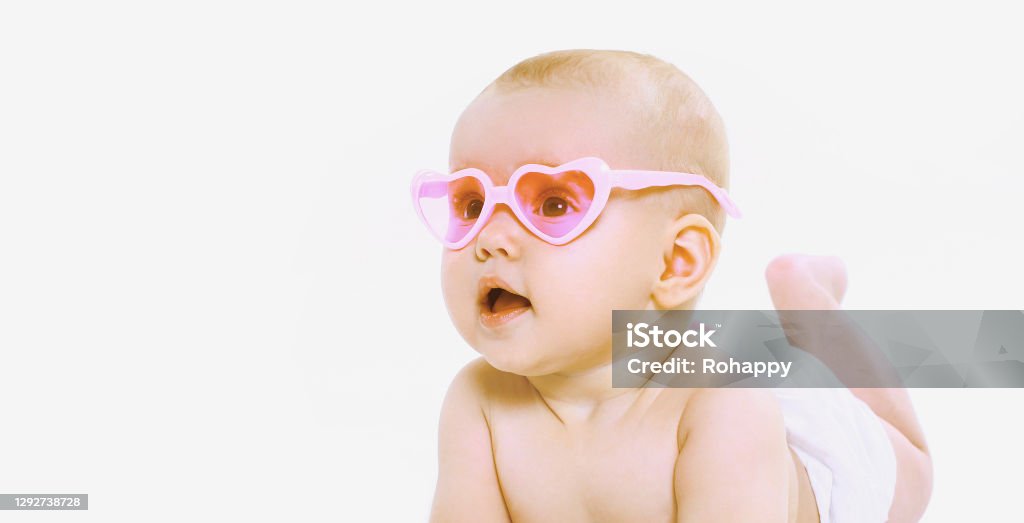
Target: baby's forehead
<point x="500" y="132"/>
<point x="500" y="174"/>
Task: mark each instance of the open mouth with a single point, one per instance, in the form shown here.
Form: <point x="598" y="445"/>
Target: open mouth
<point x="499" y="306"/>
<point x="500" y="300"/>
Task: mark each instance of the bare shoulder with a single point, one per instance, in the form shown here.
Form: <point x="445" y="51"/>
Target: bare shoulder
<point x="741" y="424"/>
<point x="733" y="446"/>
<point x="733" y="412"/>
<point x="467" y="482"/>
<point x="481" y="384"/>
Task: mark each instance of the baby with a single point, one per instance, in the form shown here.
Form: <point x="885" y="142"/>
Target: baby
<point x="584" y="182"/>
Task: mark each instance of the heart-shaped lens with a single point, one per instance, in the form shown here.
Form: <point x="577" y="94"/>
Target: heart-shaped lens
<point x="451" y="208"/>
<point x="555" y="203"/>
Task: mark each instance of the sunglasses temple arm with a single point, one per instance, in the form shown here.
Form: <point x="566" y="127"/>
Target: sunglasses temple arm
<point x="636" y="180"/>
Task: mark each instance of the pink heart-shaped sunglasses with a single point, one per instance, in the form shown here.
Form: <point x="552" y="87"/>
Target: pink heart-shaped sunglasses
<point x="555" y="203"/>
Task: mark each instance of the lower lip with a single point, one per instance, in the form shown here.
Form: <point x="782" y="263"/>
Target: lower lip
<point x="496" y="319"/>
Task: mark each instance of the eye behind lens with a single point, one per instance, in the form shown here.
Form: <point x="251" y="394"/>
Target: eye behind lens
<point x="473" y="209"/>
<point x="554" y="206"/>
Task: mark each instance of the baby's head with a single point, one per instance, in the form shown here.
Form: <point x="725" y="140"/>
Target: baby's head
<point x="532" y="307"/>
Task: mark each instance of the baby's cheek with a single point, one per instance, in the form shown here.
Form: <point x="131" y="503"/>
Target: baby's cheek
<point x="628" y="252"/>
<point x="626" y="273"/>
<point x="580" y="291"/>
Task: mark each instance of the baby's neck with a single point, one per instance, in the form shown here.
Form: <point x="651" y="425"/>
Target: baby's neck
<point x="578" y="396"/>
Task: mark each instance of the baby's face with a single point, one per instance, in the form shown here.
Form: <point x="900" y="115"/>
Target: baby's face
<point x="555" y="312"/>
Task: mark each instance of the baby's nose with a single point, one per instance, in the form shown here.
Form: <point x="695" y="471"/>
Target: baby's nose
<point x="500" y="236"/>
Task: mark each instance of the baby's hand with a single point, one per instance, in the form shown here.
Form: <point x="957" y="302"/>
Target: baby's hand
<point x="804" y="281"/>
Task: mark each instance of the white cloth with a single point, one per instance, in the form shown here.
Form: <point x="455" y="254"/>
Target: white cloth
<point x="846" y="451"/>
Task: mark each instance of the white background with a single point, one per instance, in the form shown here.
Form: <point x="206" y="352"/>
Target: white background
<point x="216" y="302"/>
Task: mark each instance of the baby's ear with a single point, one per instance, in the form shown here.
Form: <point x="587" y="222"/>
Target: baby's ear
<point x="691" y="252"/>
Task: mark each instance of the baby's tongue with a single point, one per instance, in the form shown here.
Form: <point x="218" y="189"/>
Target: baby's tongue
<point x="507" y="300"/>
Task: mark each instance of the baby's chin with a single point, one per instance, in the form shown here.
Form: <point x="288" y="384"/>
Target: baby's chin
<point x="519" y="364"/>
<point x="521" y="357"/>
<point x="530" y="357"/>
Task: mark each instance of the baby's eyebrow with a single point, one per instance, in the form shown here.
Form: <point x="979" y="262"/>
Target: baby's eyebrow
<point x="546" y="161"/>
<point x="489" y="170"/>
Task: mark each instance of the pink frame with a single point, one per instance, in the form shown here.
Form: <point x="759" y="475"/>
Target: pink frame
<point x="432" y="183"/>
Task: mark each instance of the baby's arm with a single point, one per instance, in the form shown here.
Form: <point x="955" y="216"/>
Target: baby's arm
<point x="734" y="463"/>
<point x="800" y="282"/>
<point x="467" y="483"/>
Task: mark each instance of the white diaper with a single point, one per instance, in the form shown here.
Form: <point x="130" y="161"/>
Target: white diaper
<point x="846" y="451"/>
